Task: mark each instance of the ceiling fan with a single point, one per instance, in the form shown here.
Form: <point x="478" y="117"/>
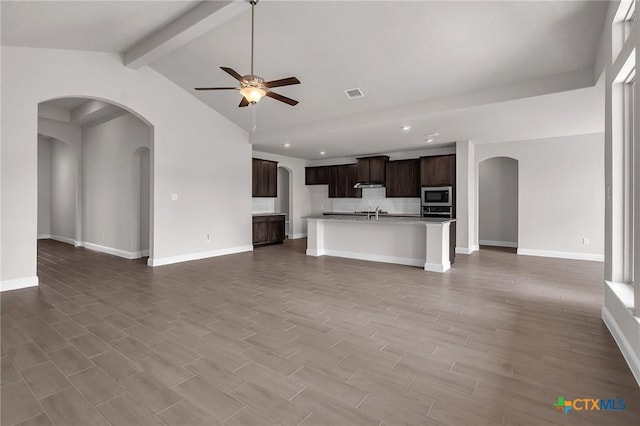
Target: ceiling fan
<point x="252" y="87"/>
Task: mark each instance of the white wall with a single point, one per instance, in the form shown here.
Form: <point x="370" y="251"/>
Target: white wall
<point x="299" y="199"/>
<point x="498" y="202"/>
<point x="44" y="187"/>
<point x="197" y="153"/>
<point x="111" y="182"/>
<point x="466" y="211"/>
<point x="561" y="194"/>
<point x="63" y="191"/>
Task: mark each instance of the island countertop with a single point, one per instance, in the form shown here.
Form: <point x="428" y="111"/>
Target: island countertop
<point x="383" y="219"/>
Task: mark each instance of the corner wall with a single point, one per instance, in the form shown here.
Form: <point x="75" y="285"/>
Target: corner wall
<point x="561" y="194"/>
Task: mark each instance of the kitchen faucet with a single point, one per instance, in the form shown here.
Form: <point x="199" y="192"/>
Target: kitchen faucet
<point x="377" y="212"/>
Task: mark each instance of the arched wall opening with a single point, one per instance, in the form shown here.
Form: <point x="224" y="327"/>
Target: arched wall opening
<point x="498" y="215"/>
<point x="284" y="200"/>
<point x="112" y="164"/>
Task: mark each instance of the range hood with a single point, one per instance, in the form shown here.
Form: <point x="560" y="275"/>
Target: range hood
<point x="367" y="185"/>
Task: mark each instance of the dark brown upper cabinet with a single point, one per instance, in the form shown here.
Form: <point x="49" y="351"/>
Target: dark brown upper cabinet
<point x="265" y="178"/>
<point x="341" y="181"/>
<point x="372" y="169"/>
<point x="403" y="178"/>
<point x="316" y="175"/>
<point x="438" y="170"/>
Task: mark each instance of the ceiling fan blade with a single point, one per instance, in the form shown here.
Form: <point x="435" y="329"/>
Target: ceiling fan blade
<point x="244" y="102"/>
<point x="232" y="73"/>
<point x="282" y="82"/>
<point x="281" y="98"/>
<point x="216" y="88"/>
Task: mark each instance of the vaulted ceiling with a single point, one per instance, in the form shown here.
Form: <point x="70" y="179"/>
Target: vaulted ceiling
<point x="487" y="71"/>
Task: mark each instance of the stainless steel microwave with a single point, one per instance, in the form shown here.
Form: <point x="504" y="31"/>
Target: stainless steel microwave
<point x="436" y="196"/>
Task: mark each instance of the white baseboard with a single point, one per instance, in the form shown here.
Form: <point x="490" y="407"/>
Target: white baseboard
<point x="296" y="236"/>
<point x="437" y="267"/>
<point x="372" y="257"/>
<point x="561" y="254"/>
<point x="498" y="243"/>
<point x="625" y="347"/>
<point x="197" y="256"/>
<point x="113" y="251"/>
<point x="65" y="240"/>
<point x="466" y="250"/>
<point x="18" y="283"/>
<point x="44" y="236"/>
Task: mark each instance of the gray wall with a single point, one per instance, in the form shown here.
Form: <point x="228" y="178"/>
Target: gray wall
<point x="561" y="194"/>
<point x="282" y="200"/>
<point x="498" y="202"/>
<point x="144" y="198"/>
<point x="63" y="190"/>
<point x="111" y="183"/>
<point x="44" y="187"/>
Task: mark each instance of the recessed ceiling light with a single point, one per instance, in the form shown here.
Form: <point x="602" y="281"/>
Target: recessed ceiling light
<point x="429" y="140"/>
<point x="432" y="134"/>
<point x="287" y="145"/>
<point x="406" y="127"/>
<point x="322" y="153"/>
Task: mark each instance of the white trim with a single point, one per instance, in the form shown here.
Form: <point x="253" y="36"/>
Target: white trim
<point x="498" y="243"/>
<point x="464" y="250"/>
<point x="372" y="257"/>
<point x="296" y="236"/>
<point x="113" y="251"/>
<point x="63" y="239"/>
<point x="58" y="238"/>
<point x="18" y="283"/>
<point x="312" y="252"/>
<point x="562" y="254"/>
<point x="196" y="256"/>
<point x="437" y="267"/>
<point x="625" y="347"/>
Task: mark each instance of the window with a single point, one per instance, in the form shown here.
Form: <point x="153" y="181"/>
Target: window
<point x="621" y="28"/>
<point x="629" y="88"/>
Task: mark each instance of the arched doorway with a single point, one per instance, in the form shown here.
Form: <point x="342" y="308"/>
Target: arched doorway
<point x="283" y="201"/>
<point x="498" y="202"/>
<point x="112" y="160"/>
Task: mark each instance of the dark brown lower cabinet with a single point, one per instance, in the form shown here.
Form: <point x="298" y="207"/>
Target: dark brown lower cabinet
<point x="268" y="230"/>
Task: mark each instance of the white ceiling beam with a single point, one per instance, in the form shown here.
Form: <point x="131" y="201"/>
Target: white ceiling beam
<point x="198" y="20"/>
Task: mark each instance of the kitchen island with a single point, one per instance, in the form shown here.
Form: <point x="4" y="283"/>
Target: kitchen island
<point x="413" y="241"/>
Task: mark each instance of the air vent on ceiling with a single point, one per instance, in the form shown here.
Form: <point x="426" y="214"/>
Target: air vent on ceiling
<point x="354" y="93"/>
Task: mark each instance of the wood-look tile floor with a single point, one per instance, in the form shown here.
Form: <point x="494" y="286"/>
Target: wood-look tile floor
<point x="275" y="337"/>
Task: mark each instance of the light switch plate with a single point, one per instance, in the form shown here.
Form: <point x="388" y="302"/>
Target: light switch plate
<point x="174" y="197"/>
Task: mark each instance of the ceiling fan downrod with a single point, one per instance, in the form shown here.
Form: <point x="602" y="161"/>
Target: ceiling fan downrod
<point x="253" y="5"/>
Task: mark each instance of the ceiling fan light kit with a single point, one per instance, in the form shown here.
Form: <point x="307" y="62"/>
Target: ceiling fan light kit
<point x="253" y="88"/>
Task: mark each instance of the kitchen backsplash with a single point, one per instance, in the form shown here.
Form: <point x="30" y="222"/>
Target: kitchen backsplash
<point x="373" y="197"/>
<point x="263" y="205"/>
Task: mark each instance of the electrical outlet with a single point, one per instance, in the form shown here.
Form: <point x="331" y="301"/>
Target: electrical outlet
<point x="586" y="241"/>
<point x="174" y="197"/>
